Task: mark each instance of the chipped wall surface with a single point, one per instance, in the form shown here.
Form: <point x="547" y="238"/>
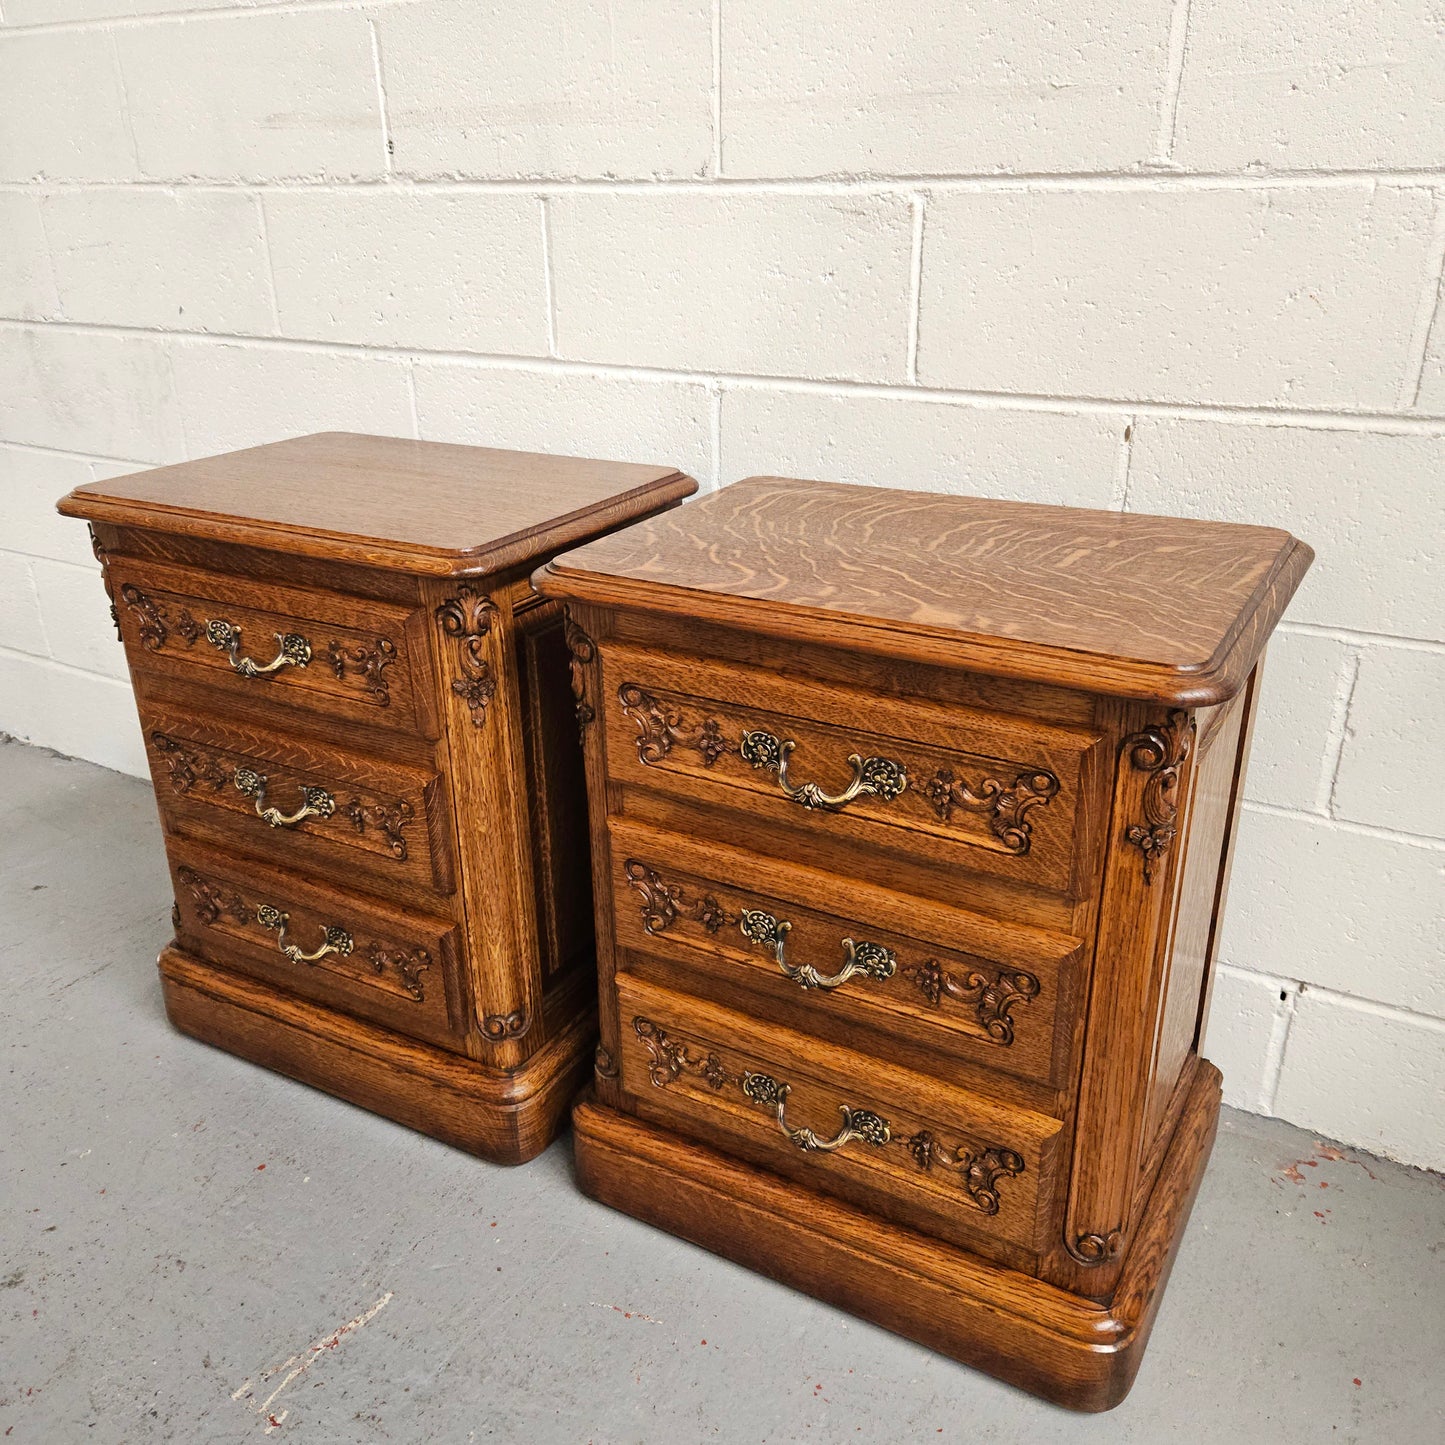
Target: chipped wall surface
<point x="1162" y="255"/>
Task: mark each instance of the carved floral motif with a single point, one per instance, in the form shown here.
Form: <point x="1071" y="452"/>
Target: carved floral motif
<point x="664" y="903"/>
<point x="991" y="998"/>
<point x="388" y="818"/>
<point x="468" y="617"/>
<point x="152" y="627"/>
<point x="410" y="964"/>
<point x="187" y="766"/>
<point x="370" y="662"/>
<point x="1160" y="751"/>
<point x="660" y="727"/>
<point x="1006" y="804"/>
<point x="211" y="900"/>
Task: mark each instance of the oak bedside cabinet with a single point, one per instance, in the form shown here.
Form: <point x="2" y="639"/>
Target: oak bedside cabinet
<point x="360" y="726"/>
<point x="911" y="822"/>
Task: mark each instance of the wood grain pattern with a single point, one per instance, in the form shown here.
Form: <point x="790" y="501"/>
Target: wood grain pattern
<point x="422" y="507"/>
<point x="378" y="843"/>
<point x="507" y="1116"/>
<point x="1018" y="742"/>
<point x="557" y="793"/>
<point x="1186" y="944"/>
<point x="400" y="968"/>
<point x="1146" y="607"/>
<point x="1076" y="1352"/>
<point x="976" y="794"/>
<point x="359" y="660"/>
<point x="994" y="997"/>
<point x="687" y="1063"/>
<point x="387" y="822"/>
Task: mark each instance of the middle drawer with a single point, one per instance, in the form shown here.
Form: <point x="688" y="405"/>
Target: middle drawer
<point x="845" y="960"/>
<point x="299" y="800"/>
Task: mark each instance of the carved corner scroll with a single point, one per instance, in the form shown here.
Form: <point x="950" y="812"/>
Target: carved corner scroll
<point x="498" y="1027"/>
<point x="979" y="1170"/>
<point x="1161" y="751"/>
<point x="582" y="653"/>
<point x="468" y="618"/>
<point x="389" y="819"/>
<point x="671" y="1059"/>
<point x="98" y="547"/>
<point x="1092" y="1249"/>
<point x="210" y="899"/>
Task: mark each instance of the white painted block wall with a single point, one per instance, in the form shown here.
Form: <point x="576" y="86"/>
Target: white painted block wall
<point x="1163" y="255"/>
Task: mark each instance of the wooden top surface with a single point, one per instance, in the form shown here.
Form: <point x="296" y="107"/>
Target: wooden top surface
<point x="416" y="506"/>
<point x="1138" y="606"/>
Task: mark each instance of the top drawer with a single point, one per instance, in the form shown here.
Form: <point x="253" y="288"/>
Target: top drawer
<point x="342" y="657"/>
<point x="982" y="791"/>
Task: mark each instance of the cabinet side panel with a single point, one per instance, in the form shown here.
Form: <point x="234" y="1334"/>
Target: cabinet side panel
<point x="475" y="670"/>
<point x="556" y="794"/>
<point x="588" y="629"/>
<point x="1152" y="781"/>
<point x="1206" y="838"/>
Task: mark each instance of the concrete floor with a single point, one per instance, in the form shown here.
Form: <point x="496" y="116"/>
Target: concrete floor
<point x="192" y="1248"/>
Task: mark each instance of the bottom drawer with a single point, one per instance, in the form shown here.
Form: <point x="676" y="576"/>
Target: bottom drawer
<point x="913" y="1150"/>
<point x="397" y="969"/>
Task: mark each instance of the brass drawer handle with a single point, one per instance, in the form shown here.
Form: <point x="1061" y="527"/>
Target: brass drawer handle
<point x="880" y="776"/>
<point x="871" y="960"/>
<point x="337" y="941"/>
<point x="295" y="650"/>
<point x="861" y="1124"/>
<point x="318" y="802"/>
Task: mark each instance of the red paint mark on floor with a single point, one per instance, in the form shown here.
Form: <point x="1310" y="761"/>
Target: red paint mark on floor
<point x="1329" y="1153"/>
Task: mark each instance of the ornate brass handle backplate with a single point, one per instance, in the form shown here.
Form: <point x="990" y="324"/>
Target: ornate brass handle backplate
<point x="318" y="803"/>
<point x="337" y="940"/>
<point x="861" y="1124"/>
<point x="881" y="777"/>
<point x="295" y="651"/>
<point x="870" y="960"/>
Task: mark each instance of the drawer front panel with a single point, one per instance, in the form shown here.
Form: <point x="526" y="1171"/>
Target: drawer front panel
<point x="912" y="1149"/>
<point x="960" y="787"/>
<point x="353" y="954"/>
<point x="340" y="657"/>
<point x="299" y="800"/>
<point x="845" y="960"/>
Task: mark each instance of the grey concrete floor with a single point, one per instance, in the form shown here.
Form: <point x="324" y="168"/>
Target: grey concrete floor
<point x="192" y="1249"/>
